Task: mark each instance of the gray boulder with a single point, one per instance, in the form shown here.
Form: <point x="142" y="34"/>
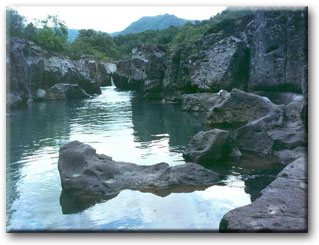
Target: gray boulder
<point x="224" y="65"/>
<point x="64" y="91"/>
<point x="88" y="176"/>
<point x="282" y="206"/>
<point x="202" y="101"/>
<point x="281" y="129"/>
<point x="209" y="146"/>
<point x="143" y="72"/>
<point x="239" y="109"/>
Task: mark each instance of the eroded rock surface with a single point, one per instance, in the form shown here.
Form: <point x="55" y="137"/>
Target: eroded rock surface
<point x="209" y="146"/>
<point x="30" y="68"/>
<point x="282" y="206"/>
<point x="90" y="177"/>
<point x="63" y="91"/>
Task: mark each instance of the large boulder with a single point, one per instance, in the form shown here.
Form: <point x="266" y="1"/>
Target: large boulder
<point x="29" y="68"/>
<point x="282" y="206"/>
<point x="225" y="65"/>
<point x="278" y="48"/>
<point x="143" y="72"/>
<point x="202" y="101"/>
<point x="64" y="91"/>
<point x="209" y="146"/>
<point x="238" y="109"/>
<point x="88" y="176"/>
<point x="280" y="130"/>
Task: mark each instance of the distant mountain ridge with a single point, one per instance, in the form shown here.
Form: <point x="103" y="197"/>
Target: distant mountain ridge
<point x="158" y="22"/>
<point x="72" y="34"/>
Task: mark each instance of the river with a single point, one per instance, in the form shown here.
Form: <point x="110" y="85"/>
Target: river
<point x="118" y="124"/>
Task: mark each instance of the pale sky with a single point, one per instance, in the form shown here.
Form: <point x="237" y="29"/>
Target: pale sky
<point x="113" y="18"/>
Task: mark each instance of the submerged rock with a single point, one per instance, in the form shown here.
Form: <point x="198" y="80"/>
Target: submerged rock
<point x="209" y="146"/>
<point x="282" y="206"/>
<point x="89" y="177"/>
<point x="64" y="91"/>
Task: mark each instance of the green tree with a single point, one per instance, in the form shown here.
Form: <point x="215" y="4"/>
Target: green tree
<point x="14" y="23"/>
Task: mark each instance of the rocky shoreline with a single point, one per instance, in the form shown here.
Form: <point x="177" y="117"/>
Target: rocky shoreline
<point x="249" y="76"/>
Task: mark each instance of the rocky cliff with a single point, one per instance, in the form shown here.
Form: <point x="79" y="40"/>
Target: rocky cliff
<point x="32" y="71"/>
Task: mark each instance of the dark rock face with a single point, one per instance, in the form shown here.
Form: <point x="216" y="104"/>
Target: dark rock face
<point x="224" y="65"/>
<point x="282" y="206"/>
<point x="64" y="91"/>
<point x="238" y="109"/>
<point x="144" y="71"/>
<point x="202" y="101"/>
<point x="209" y="146"/>
<point x="282" y="129"/>
<point x="30" y="68"/>
<point x="88" y="176"/>
<point x="278" y="48"/>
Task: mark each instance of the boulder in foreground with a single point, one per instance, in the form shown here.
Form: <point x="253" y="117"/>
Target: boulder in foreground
<point x="282" y="206"/>
<point x="90" y="177"/>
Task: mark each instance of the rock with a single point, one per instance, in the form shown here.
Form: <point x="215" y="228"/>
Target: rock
<point x="143" y="72"/>
<point x="209" y="146"/>
<point x="225" y="65"/>
<point x="282" y="206"/>
<point x="15" y="99"/>
<point x="238" y="109"/>
<point x="64" y="91"/>
<point x="280" y="98"/>
<point x="29" y="68"/>
<point x="278" y="48"/>
<point x="40" y="94"/>
<point x="273" y="132"/>
<point x="202" y="101"/>
<point x="88" y="176"/>
<point x="287" y="156"/>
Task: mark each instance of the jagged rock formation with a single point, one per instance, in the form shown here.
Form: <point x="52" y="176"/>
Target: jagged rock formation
<point x="143" y="72"/>
<point x="30" y="68"/>
<point x="89" y="177"/>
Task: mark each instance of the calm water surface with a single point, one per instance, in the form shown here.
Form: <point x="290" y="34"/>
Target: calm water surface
<point x="120" y="125"/>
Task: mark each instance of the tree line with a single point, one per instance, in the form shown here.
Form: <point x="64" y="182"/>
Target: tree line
<point x="52" y="35"/>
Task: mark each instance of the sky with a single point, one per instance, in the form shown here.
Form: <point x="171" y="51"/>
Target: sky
<point x="113" y="18"/>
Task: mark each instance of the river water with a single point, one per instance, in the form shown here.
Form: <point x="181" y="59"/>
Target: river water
<point x="118" y="124"/>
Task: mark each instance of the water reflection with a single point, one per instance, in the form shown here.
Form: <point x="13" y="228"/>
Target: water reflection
<point x="117" y="124"/>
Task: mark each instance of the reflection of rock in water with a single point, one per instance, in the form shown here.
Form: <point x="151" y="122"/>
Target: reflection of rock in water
<point x="150" y="120"/>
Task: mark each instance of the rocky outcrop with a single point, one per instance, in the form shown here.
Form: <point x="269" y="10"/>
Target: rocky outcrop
<point x="202" y="101"/>
<point x="209" y="146"/>
<point x="63" y="91"/>
<point x="224" y="65"/>
<point x="282" y="206"/>
<point x="280" y="130"/>
<point x="238" y="109"/>
<point x="88" y="176"/>
<point x="278" y="50"/>
<point x="29" y="68"/>
<point x="143" y="72"/>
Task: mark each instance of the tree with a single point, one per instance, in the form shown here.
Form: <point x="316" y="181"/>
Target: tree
<point x="14" y="23"/>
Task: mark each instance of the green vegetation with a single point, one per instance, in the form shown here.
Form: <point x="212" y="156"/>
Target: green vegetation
<point x="52" y="34"/>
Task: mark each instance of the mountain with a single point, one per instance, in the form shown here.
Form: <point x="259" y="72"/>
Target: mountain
<point x="72" y="34"/>
<point x="158" y="22"/>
